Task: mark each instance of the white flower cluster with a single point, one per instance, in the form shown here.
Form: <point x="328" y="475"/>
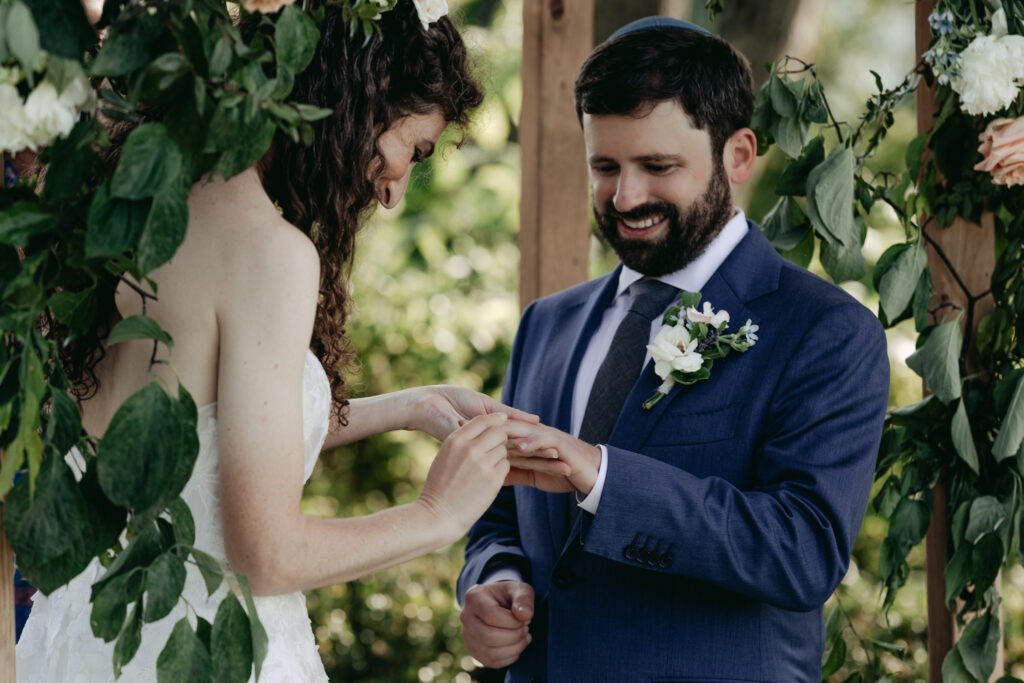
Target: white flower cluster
<point x="991" y="70"/>
<point x="430" y="11"/>
<point x="44" y="116"/>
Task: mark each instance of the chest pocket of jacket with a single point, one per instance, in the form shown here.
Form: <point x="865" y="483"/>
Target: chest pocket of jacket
<point x="685" y="426"/>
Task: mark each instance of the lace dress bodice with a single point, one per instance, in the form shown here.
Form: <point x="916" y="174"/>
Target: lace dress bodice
<point x="58" y="645"/>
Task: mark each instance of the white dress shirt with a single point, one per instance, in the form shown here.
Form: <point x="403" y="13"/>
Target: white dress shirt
<point x="691" y="278"/>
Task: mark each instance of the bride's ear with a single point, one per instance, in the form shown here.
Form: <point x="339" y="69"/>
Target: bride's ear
<point x="739" y="154"/>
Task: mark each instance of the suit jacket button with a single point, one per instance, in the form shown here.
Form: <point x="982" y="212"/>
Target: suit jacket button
<point x="563" y="578"/>
<point x="642" y="555"/>
<point x="630" y="552"/>
<point x="663" y="562"/>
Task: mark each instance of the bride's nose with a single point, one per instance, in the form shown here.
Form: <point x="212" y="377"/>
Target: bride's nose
<point x="392" y="190"/>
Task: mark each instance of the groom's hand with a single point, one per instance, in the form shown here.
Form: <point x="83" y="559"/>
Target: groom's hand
<point x="495" y="621"/>
<point x="541" y="448"/>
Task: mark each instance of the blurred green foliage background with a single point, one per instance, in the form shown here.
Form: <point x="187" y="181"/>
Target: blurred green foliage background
<point x="434" y="286"/>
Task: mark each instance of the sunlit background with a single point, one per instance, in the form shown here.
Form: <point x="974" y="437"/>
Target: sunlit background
<point x="435" y="284"/>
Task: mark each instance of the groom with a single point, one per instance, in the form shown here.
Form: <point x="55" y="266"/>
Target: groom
<point x="696" y="540"/>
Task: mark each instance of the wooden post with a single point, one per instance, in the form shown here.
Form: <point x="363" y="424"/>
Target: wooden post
<point x="970" y="249"/>
<point x="554" y="225"/>
<point x="7" y="673"/>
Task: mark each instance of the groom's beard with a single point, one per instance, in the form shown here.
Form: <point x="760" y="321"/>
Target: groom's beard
<point x="687" y="234"/>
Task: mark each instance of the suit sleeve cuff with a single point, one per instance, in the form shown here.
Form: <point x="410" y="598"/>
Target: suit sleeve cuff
<point x="593" y="499"/>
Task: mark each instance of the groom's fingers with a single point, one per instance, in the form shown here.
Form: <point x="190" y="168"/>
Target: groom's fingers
<point x="554" y="467"/>
<point x="522" y="601"/>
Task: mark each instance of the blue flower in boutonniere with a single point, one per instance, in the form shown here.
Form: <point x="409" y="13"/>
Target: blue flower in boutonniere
<point x="690" y="341"/>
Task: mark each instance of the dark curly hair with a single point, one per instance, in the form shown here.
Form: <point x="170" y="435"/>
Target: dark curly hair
<point x="326" y="188"/>
<point x="707" y="76"/>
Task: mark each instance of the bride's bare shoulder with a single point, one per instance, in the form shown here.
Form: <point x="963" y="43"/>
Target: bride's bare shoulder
<point x="235" y="221"/>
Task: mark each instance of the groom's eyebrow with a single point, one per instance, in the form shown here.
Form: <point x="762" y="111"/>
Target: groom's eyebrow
<point x="642" y="159"/>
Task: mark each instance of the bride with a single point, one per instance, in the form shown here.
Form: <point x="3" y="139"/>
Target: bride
<point x="259" y="280"/>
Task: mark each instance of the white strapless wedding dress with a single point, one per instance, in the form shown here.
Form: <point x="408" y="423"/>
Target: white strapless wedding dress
<point x="58" y="646"/>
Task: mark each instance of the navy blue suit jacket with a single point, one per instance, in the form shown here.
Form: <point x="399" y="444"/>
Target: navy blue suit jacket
<point x="729" y="510"/>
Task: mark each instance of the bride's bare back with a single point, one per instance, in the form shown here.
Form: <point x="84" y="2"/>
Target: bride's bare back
<point x="232" y="226"/>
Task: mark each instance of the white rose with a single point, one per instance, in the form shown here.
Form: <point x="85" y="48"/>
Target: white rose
<point x="14" y="133"/>
<point x="991" y="69"/>
<point x="430" y="11"/>
<point x="673" y="349"/>
<point x="48" y="116"/>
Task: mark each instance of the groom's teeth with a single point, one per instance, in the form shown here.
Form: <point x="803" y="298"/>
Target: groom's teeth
<point x="642" y="224"/>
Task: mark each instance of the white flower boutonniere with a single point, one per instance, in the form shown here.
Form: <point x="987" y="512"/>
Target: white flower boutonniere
<point x="690" y="341"/>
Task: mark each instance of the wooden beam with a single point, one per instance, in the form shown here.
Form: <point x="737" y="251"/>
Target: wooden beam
<point x="970" y="249"/>
<point x="554" y="224"/>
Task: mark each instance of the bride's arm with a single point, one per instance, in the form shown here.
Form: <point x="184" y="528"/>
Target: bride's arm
<point x="435" y="410"/>
<point x="265" y="317"/>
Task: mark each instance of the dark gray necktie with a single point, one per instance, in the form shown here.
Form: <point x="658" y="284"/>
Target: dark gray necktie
<point x="625" y="359"/>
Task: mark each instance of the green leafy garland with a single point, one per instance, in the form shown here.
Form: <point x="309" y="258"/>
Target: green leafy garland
<point x="969" y="433"/>
<point x="62" y="241"/>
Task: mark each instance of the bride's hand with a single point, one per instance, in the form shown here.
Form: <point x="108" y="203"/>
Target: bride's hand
<point x="467" y="473"/>
<point x="440" y="410"/>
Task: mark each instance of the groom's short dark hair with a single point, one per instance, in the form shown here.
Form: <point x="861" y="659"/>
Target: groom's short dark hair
<point x="629" y="75"/>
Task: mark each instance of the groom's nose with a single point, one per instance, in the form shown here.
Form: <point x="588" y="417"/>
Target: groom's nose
<point x="630" y="192"/>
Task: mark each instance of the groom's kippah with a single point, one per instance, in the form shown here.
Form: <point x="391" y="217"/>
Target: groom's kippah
<point x="648" y="23"/>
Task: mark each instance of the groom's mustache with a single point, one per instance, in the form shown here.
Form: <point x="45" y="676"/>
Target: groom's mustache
<point x="639" y="213"/>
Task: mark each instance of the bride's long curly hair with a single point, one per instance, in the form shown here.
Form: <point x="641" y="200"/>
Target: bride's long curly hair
<point x="326" y="188"/>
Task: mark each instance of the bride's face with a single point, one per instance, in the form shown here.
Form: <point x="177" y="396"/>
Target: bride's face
<point x="409" y="139"/>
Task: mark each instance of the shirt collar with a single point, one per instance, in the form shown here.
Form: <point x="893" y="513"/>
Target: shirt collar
<point x="696" y="274"/>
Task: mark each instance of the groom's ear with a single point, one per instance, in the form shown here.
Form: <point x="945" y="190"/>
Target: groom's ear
<point x="739" y="154"/>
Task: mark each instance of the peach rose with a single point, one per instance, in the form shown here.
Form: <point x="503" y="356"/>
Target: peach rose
<point x="265" y="6"/>
<point x="1002" y="146"/>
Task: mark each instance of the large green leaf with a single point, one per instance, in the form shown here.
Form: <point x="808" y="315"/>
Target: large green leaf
<point x="953" y="669"/>
<point x="127" y="47"/>
<point x="114" y="225"/>
<point x="22" y="222"/>
<point x="146" y="447"/>
<point x="150" y="162"/>
<point x="794" y="178"/>
<point x="63" y="423"/>
<point x="209" y="568"/>
<point x="898" y="284"/>
<point x="842" y="262"/>
<point x="986" y="515"/>
<point x="164" y="230"/>
<point x="184" y="657"/>
<point x="128" y="640"/>
<point x="786" y="225"/>
<point x="260" y="642"/>
<point x="138" y="327"/>
<point x="110" y="604"/>
<point x="63" y="28"/>
<point x="978" y="646"/>
<point x="1011" y="430"/>
<point x="963" y="440"/>
<point x="165" y="579"/>
<point x="830" y="199"/>
<point x="909" y="523"/>
<point x="72" y="161"/>
<point x="231" y="642"/>
<point x="986" y="561"/>
<point x="50" y="532"/>
<point x="938" y="361"/>
<point x="75" y="309"/>
<point x="23" y="37"/>
<point x="296" y="36"/>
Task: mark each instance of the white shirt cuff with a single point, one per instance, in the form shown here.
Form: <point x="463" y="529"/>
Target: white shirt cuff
<point x="593" y="498"/>
<point x="504" y="574"/>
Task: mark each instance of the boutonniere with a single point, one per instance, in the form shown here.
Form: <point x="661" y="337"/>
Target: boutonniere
<point x="690" y="341"/>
